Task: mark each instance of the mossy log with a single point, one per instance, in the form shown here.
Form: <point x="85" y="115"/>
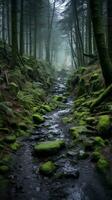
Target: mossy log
<point x="107" y="92"/>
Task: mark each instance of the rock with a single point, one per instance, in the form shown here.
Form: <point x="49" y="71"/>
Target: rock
<point x="47" y="168"/>
<point x="104" y="123"/>
<point x="15" y="146"/>
<point x="38" y="119"/>
<point x="82" y="155"/>
<point x="46" y="108"/>
<point x="10" y="139"/>
<point x="99" y="142"/>
<point x="49" y="147"/>
<point x="102" y="165"/>
<point x="88" y="144"/>
<point x="4" y="169"/>
<point x="68" y="172"/>
<point x="96" y="156"/>
<point x="76" y="131"/>
<point x="90" y="120"/>
<point x="58" y="98"/>
<point x="23" y="126"/>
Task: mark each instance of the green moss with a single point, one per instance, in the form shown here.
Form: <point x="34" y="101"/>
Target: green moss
<point x="15" y="146"/>
<point x="49" y="147"/>
<point x="10" y="139"/>
<point x="47" y="168"/>
<point x="102" y="165"/>
<point x="66" y="120"/>
<point x="58" y="98"/>
<point x="90" y="120"/>
<point x="76" y="131"/>
<point x="99" y="142"/>
<point x="38" y="119"/>
<point x="104" y="123"/>
<point x="23" y="126"/>
<point x="4" y="169"/>
<point x="96" y="155"/>
<point x="46" y="108"/>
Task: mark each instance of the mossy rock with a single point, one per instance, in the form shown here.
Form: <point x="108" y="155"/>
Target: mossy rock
<point x="4" y="130"/>
<point x="47" y="168"/>
<point x="38" y="119"/>
<point x="4" y="169"/>
<point x="10" y="139"/>
<point x="49" y="147"/>
<point x="58" y="98"/>
<point x="76" y="131"/>
<point x="94" y="76"/>
<point x="99" y="142"/>
<point x="102" y="165"/>
<point x="104" y="123"/>
<point x="96" y="155"/>
<point x="82" y="155"/>
<point x="4" y="183"/>
<point x="23" y="126"/>
<point x="67" y="120"/>
<point x="15" y="146"/>
<point x="46" y="108"/>
<point x="91" y="120"/>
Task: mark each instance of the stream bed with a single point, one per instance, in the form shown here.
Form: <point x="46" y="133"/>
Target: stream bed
<point x="82" y="182"/>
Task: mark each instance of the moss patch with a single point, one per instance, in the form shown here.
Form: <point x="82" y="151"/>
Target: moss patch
<point x="47" y="168"/>
<point x="102" y="165"/>
<point x="4" y="169"/>
<point x="103" y="123"/>
<point x="99" y="142"/>
<point x="49" y="147"/>
<point x="10" y="139"/>
<point x="15" y="146"/>
<point x="38" y="119"/>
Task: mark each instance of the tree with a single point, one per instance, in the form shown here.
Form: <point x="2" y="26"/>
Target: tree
<point x="97" y="20"/>
<point x="109" y="14"/>
<point x="14" y="31"/>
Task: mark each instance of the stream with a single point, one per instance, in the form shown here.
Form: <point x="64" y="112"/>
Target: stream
<point x="82" y="182"/>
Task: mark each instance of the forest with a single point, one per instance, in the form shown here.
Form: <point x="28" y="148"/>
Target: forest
<point x="56" y="99"/>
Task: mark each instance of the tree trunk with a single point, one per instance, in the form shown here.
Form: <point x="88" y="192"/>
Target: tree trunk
<point x="109" y="12"/>
<point x="21" y="29"/>
<point x="97" y="20"/>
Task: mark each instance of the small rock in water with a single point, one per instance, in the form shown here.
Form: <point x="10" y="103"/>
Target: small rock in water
<point x="37" y="189"/>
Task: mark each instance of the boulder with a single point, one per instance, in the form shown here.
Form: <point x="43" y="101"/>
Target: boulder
<point x="49" y="147"/>
<point x="47" y="168"/>
<point x="104" y="123"/>
<point x="38" y="119"/>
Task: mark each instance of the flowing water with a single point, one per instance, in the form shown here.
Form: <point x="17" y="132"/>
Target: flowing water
<point x="29" y="184"/>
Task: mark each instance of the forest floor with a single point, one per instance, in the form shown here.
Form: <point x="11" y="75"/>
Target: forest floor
<point x="74" y="177"/>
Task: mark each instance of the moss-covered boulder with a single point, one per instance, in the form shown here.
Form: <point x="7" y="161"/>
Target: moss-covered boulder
<point x="47" y="168"/>
<point x="104" y="123"/>
<point x="15" y="146"/>
<point x="10" y="139"/>
<point x="76" y="131"/>
<point x="49" y="147"/>
<point x="99" y="142"/>
<point x="58" y="98"/>
<point x="4" y="169"/>
<point x="23" y="126"/>
<point x="96" y="155"/>
<point x="102" y="165"/>
<point x="46" y="107"/>
<point x="38" y="119"/>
